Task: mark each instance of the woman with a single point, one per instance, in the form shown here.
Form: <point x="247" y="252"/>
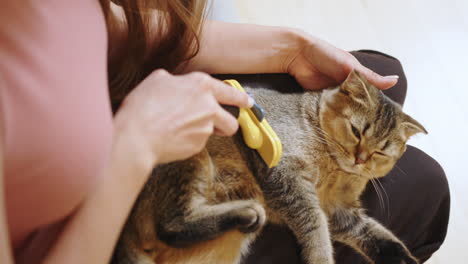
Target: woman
<point x="71" y="172"/>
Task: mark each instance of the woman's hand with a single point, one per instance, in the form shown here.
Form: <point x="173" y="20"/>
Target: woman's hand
<point x="171" y="117"/>
<point x="316" y="64"/>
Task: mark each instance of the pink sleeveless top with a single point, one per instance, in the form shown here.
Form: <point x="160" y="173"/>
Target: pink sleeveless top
<point x="54" y="107"/>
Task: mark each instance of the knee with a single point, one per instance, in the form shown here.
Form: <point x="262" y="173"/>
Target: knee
<point x="431" y="174"/>
<point x="435" y="194"/>
<point x="427" y="179"/>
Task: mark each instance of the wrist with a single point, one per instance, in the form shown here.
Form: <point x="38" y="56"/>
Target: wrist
<point x="265" y="49"/>
<point x="130" y="147"/>
<point x="300" y="41"/>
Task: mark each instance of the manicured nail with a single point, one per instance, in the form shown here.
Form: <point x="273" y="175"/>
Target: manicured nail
<point x="392" y="77"/>
<point x="251" y="101"/>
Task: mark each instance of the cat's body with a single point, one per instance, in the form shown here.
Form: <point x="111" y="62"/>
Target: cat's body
<point x="209" y="208"/>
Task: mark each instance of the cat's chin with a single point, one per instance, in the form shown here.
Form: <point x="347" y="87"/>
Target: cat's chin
<point x="356" y="169"/>
<point x="348" y="166"/>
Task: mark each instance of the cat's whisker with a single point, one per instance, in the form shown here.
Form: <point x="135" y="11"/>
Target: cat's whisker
<point x="386" y="195"/>
<point x="326" y="140"/>
<point x="401" y="170"/>
<point x="338" y="153"/>
<point x="376" y="187"/>
<point x="380" y="190"/>
<point x="379" y="194"/>
<point x="332" y="143"/>
<point x="319" y="139"/>
<point x="321" y="132"/>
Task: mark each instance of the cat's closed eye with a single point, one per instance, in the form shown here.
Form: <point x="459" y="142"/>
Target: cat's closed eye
<point x="366" y="127"/>
<point x="356" y="132"/>
<point x="386" y="145"/>
<point x="379" y="153"/>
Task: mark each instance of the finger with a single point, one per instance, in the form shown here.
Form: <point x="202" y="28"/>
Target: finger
<point x="224" y="123"/>
<point x="218" y="132"/>
<point x="381" y="82"/>
<point x="226" y="94"/>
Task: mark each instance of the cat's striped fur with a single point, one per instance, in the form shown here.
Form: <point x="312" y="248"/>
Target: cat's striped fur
<point x="207" y="209"/>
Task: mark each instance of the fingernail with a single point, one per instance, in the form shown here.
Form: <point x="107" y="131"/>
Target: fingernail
<point x="251" y="101"/>
<point x="392" y="77"/>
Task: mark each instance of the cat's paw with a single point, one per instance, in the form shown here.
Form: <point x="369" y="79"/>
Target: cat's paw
<point x="392" y="252"/>
<point x="251" y="218"/>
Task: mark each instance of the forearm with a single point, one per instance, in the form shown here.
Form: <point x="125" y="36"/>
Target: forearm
<point x="90" y="235"/>
<point x="245" y="48"/>
<point x="228" y="47"/>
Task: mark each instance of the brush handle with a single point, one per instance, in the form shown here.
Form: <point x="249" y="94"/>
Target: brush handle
<point x="256" y="110"/>
<point x="233" y="110"/>
<point x="250" y="131"/>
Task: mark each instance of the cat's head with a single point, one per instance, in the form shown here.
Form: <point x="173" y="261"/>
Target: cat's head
<point x="365" y="131"/>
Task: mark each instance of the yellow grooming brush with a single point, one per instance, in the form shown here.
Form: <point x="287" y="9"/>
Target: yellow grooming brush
<point x="257" y="133"/>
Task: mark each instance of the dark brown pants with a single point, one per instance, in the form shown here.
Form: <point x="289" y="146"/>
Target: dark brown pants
<point x="416" y="204"/>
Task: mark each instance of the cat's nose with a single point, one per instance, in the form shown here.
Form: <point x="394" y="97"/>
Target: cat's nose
<point x="361" y="157"/>
<point x="359" y="161"/>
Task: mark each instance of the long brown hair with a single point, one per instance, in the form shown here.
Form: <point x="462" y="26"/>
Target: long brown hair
<point x="177" y="27"/>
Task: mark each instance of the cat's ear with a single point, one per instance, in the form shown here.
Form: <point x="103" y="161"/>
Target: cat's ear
<point x="410" y="127"/>
<point x="356" y="86"/>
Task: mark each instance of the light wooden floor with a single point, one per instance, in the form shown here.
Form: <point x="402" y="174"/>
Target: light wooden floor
<point x="430" y="37"/>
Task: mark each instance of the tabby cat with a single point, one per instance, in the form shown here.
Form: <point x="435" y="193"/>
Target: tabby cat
<point x="209" y="208"/>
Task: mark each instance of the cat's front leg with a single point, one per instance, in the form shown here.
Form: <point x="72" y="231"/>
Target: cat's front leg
<point x="368" y="237"/>
<point x="294" y="200"/>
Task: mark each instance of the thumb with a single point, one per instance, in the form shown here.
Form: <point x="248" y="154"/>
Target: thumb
<point x="381" y="82"/>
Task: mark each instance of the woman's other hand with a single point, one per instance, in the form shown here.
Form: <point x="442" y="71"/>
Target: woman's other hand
<point x="170" y="117"/>
<point x="317" y="64"/>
